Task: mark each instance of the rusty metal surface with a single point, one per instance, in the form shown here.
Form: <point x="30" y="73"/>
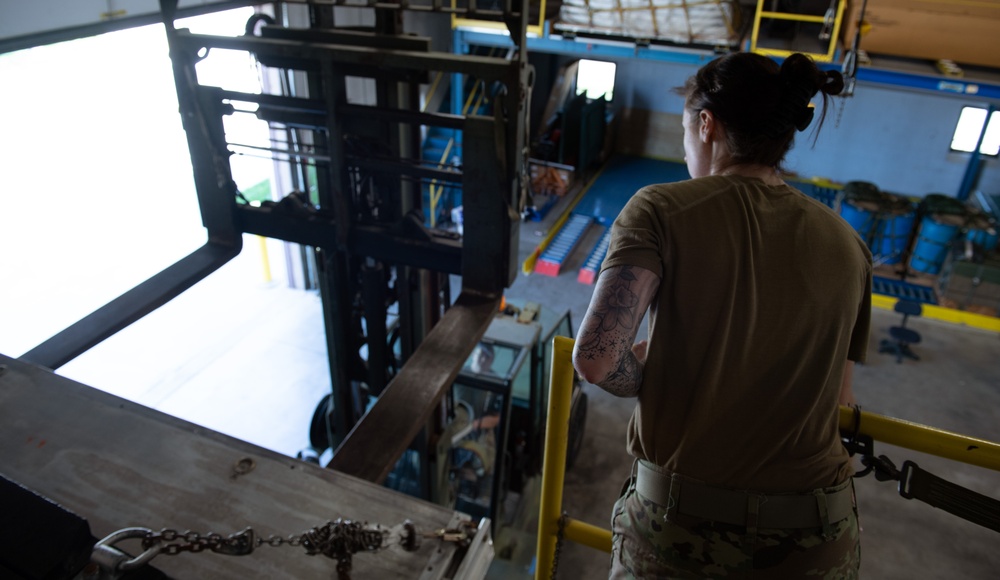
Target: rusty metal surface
<point x="372" y="448"/>
<point x="119" y="464"/>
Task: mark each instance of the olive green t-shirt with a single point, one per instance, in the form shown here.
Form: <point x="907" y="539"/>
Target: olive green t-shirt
<point x="764" y="294"/>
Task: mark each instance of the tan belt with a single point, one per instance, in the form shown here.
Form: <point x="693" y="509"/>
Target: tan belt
<point x="819" y="508"/>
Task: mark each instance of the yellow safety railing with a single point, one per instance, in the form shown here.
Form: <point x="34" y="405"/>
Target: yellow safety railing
<point x="550" y="519"/>
<point x="794" y="17"/>
<point x="554" y="467"/>
<point x="536" y="29"/>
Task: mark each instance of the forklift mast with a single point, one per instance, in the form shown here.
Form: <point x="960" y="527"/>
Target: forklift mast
<point x="377" y="262"/>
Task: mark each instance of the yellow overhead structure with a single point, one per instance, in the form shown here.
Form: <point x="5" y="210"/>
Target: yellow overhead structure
<point x="535" y="29"/>
<point x="831" y="22"/>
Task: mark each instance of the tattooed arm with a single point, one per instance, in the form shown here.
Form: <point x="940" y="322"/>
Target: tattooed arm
<point x="604" y="353"/>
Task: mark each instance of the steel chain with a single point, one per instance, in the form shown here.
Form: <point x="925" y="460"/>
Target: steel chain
<point x="338" y="540"/>
<point x="173" y="543"/>
<point x="840" y="111"/>
<point x="559" y="541"/>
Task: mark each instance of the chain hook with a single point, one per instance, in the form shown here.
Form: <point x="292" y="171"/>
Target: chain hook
<point x="109" y="557"/>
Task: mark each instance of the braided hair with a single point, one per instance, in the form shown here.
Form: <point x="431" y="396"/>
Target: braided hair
<point x="760" y="103"/>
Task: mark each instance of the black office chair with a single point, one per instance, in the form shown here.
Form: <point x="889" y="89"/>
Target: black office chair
<point x="902" y="337"/>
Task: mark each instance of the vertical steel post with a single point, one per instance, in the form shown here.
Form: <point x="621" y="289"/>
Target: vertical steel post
<point x="336" y="280"/>
<point x="373" y="291"/>
<point x="556" y="442"/>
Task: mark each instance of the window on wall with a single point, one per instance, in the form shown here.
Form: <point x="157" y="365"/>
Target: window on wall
<point x="595" y="78"/>
<point x="970" y="125"/>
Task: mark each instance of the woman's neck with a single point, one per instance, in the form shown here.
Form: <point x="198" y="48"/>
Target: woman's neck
<point x="768" y="175"/>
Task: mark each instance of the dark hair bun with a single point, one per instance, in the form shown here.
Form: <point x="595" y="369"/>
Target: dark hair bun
<point x="800" y="80"/>
<point x="800" y="73"/>
<point x="834" y="84"/>
<point x="760" y="102"/>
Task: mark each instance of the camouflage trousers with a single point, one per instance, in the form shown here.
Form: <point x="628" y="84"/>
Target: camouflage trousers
<point x="647" y="545"/>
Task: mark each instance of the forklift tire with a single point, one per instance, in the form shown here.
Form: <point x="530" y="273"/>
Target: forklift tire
<point x="319" y="427"/>
<point x="577" y="423"/>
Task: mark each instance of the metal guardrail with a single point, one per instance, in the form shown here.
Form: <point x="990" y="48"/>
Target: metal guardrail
<point x="831" y="22"/>
<point x="552" y="524"/>
<point x="554" y="467"/>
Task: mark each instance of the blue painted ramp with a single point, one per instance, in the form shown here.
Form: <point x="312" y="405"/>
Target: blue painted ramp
<point x="620" y="179"/>
<point x="607" y="195"/>
<point x="551" y="261"/>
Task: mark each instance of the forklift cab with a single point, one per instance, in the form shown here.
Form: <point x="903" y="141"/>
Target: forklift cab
<point x="498" y="406"/>
<point x="487" y="459"/>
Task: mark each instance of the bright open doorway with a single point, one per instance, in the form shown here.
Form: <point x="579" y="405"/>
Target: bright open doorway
<point x="98" y="196"/>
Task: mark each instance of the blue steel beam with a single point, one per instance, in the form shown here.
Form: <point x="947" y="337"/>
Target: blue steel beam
<point x="970" y="88"/>
<point x="598" y="48"/>
<point x="590" y="47"/>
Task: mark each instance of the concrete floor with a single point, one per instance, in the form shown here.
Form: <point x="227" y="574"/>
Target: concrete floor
<point x="246" y="358"/>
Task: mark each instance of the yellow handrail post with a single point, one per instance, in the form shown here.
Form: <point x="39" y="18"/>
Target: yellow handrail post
<point x="265" y="262"/>
<point x="556" y="442"/>
<point x="587" y="534"/>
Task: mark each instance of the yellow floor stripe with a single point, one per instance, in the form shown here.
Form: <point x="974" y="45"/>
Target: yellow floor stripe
<point x="990" y="323"/>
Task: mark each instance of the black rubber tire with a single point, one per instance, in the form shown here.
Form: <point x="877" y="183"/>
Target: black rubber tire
<point x="319" y="437"/>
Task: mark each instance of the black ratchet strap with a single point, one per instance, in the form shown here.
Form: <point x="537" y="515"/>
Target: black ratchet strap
<point x="915" y="483"/>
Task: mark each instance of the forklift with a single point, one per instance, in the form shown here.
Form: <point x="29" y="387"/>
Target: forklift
<point x="487" y="460"/>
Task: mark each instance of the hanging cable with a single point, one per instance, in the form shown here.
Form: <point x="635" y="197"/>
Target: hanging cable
<point x="850" y="69"/>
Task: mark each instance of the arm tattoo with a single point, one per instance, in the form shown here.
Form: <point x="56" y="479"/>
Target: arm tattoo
<point x="610" y="329"/>
<point x="625" y="380"/>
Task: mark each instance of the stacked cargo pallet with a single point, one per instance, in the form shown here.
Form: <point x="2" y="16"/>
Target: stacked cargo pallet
<point x="707" y="22"/>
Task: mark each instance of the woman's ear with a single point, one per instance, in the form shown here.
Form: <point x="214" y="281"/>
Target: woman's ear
<point x="707" y="127"/>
